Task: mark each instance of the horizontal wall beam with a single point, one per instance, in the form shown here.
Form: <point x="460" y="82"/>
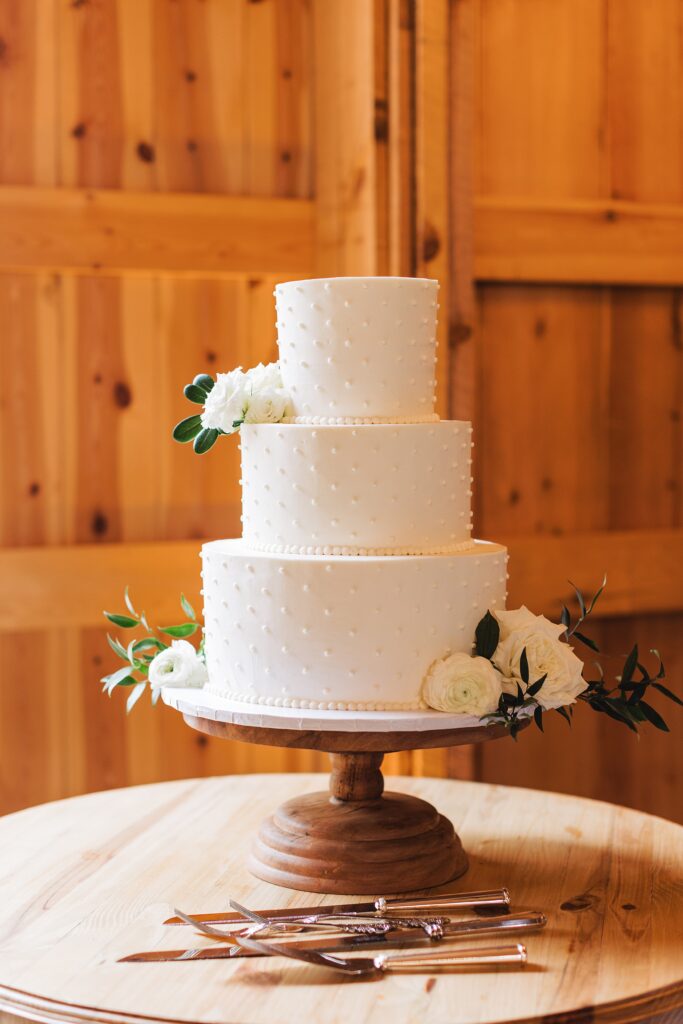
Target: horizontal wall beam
<point x="59" y="587"/>
<point x="579" y="242"/>
<point x="91" y="230"/>
<point x="642" y="567"/>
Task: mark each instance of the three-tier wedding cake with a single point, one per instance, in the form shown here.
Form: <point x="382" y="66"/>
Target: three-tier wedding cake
<point x="356" y="570"/>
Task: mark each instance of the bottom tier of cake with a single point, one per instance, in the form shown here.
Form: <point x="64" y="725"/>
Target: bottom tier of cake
<point x="340" y="632"/>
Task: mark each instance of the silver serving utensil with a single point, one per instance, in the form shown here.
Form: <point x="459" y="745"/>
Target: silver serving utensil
<point x="416" y="961"/>
<point x="263" y="927"/>
<point x="442" y="903"/>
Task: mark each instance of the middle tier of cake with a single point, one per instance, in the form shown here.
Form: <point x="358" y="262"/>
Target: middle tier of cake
<point x="371" y="489"/>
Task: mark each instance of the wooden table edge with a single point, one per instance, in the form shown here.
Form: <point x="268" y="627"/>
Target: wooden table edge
<point x="648" y="1008"/>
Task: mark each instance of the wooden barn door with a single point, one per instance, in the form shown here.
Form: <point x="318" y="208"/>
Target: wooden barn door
<point x="567" y="342"/>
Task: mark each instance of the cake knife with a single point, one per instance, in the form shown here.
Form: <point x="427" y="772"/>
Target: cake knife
<point x="381" y="906"/>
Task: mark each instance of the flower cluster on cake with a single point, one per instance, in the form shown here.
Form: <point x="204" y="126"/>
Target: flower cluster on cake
<point x="357" y="584"/>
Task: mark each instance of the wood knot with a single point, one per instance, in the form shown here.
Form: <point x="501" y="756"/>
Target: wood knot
<point x="78" y="131"/>
<point x="190" y="75"/>
<point x="584" y="901"/>
<point x="381" y="123"/>
<point x="99" y="524"/>
<point x="146" y="152"/>
<point x="191" y="146"/>
<point x="122" y="394"/>
<point x="431" y="243"/>
<point x="34" y="489"/>
<point x="458" y="333"/>
<point x="611" y="215"/>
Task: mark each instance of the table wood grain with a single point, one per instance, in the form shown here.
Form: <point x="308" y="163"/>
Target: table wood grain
<point x="85" y="881"/>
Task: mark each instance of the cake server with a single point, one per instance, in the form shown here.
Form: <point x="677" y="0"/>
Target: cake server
<point x="381" y="907"/>
<point x="416" y="961"/>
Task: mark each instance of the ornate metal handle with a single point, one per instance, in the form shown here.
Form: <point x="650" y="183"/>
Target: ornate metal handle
<point x="453" y="958"/>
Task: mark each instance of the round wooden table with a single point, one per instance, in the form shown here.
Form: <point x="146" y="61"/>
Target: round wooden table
<point x="86" y="881"/>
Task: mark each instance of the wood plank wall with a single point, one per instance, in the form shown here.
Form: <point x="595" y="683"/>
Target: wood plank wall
<point x="576" y="387"/>
<point x="114" y="119"/>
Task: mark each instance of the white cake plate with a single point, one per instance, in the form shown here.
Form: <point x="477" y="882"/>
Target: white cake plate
<point x="207" y="705"/>
<point x="356" y="838"/>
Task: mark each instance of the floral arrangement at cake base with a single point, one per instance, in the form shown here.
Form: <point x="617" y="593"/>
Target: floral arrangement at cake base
<point x="522" y="666"/>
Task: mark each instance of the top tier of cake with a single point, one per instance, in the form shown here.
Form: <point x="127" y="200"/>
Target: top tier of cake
<point x="358" y="349"/>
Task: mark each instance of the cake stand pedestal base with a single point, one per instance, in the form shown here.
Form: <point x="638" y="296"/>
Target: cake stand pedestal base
<point x="357" y="839"/>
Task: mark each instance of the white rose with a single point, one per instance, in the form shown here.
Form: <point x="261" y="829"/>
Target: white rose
<point x="268" y="405"/>
<point x="226" y="402"/>
<point x="178" y="665"/>
<point x="264" y="377"/>
<point x="463" y="685"/>
<point x="547" y="655"/>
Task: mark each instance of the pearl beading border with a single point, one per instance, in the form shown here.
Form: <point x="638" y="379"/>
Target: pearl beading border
<point x="349" y="550"/>
<point x="314" y="705"/>
<point x="337" y="421"/>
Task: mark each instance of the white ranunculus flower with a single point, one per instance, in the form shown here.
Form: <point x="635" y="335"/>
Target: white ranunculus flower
<point x="261" y="377"/>
<point x="463" y="685"/>
<point x="269" y="405"/>
<point x="227" y="401"/>
<point x="178" y="665"/>
<point x="547" y="655"/>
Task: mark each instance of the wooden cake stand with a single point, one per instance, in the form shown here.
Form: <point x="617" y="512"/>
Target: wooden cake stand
<point x="356" y="838"/>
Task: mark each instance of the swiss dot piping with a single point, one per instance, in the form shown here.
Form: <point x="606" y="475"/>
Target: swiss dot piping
<point x="354" y="551"/>
<point x="358" y="420"/>
<point x="313" y="705"/>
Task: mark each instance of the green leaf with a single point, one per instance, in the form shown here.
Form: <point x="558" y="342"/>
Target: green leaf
<point x="195" y="394"/>
<point x="538" y="718"/>
<point x="653" y="716"/>
<point x="129" y="603"/>
<point x="117" y="677"/>
<point x="205" y="440"/>
<point x="148" y="643"/>
<point x="186" y="629"/>
<point x="667" y="693"/>
<point x="535" y="687"/>
<point x="588" y="641"/>
<point x="205" y="381"/>
<point x="565" y="617"/>
<point x="486" y="636"/>
<point x="187" y="607"/>
<point x="117" y="647"/>
<point x="134" y="696"/>
<point x="629" y="667"/>
<point x="122" y="621"/>
<point x="597" y="594"/>
<point x="187" y="429"/>
<point x="565" y="715"/>
<point x="579" y="598"/>
<point x="524" y="667"/>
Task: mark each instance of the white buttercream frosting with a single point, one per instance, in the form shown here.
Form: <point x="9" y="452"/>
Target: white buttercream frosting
<point x="358" y="347"/>
<point x="368" y="489"/>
